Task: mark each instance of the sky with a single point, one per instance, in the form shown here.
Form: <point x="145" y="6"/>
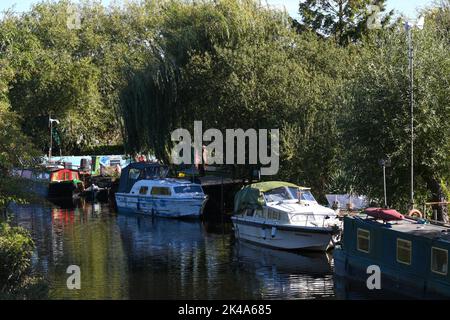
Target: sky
<point x="407" y="7"/>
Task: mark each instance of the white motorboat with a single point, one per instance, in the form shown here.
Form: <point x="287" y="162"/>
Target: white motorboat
<point x="144" y="189"/>
<point x="284" y="216"/>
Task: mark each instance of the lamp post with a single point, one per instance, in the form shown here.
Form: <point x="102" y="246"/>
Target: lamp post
<point x="385" y="163"/>
<point x="409" y="26"/>
<point x="50" y="120"/>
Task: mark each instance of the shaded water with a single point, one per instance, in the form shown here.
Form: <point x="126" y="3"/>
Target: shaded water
<point x="136" y="257"/>
<point x="127" y="256"/>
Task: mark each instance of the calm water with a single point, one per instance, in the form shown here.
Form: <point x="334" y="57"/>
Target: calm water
<point x="136" y="257"/>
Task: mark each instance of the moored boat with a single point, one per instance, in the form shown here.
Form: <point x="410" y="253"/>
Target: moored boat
<point x="412" y="255"/>
<point x="64" y="184"/>
<point x="283" y="215"/>
<point x="34" y="181"/>
<point x="144" y="189"/>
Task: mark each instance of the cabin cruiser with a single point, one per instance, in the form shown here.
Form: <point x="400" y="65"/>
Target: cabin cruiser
<point x="285" y="216"/>
<point x="145" y="189"/>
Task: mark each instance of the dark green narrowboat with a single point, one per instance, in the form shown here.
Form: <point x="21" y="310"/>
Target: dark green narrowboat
<point x="412" y="255"/>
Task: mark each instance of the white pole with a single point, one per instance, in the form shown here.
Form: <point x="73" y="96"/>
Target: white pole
<point x="411" y="90"/>
<point x="51" y="131"/>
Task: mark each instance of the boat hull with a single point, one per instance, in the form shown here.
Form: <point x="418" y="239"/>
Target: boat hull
<point x="285" y="237"/>
<point x="169" y="207"/>
<point x="62" y="190"/>
<point x="392" y="280"/>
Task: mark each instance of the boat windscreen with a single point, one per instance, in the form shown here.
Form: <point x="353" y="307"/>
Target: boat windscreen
<point x="188" y="189"/>
<point x="278" y="194"/>
<point x="303" y="195"/>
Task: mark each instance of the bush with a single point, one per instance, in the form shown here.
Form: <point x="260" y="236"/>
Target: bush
<point x="16" y="278"/>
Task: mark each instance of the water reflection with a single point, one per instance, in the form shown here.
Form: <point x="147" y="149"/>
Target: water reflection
<point x="288" y="274"/>
<point x="125" y="256"/>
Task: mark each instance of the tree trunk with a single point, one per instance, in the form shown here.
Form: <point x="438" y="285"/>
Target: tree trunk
<point x="438" y="195"/>
<point x="340" y="22"/>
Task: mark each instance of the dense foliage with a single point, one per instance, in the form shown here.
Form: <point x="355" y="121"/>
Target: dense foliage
<point x="337" y="89"/>
<point x="16" y="278"/>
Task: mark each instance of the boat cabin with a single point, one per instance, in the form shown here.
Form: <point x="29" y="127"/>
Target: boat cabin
<point x="259" y="194"/>
<point x="267" y="214"/>
<point x="406" y="246"/>
<point x="166" y="187"/>
<point x="137" y="171"/>
<point x="64" y="175"/>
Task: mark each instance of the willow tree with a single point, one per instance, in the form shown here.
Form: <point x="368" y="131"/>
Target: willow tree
<point x="169" y="92"/>
<point x="238" y="64"/>
<point x="150" y="108"/>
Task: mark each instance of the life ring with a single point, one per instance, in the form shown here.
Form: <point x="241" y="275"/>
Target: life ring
<point x="415" y="213"/>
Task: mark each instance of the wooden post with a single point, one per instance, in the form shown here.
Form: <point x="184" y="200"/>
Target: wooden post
<point x="221" y="198"/>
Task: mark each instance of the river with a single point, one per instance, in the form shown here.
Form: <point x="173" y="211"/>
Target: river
<point x="123" y="256"/>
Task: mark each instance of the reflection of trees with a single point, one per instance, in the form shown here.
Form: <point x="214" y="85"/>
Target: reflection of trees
<point x="283" y="274"/>
<point x="177" y="259"/>
<point x="79" y="236"/>
<point x="131" y="256"/>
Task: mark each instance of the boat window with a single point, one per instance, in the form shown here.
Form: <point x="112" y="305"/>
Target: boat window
<point x="143" y="190"/>
<point x="43" y="176"/>
<point x="439" y="260"/>
<point x="134" y="173"/>
<point x="188" y="189"/>
<point x="250" y="212"/>
<point x="304" y="195"/>
<point x="363" y="243"/>
<point x="259" y="213"/>
<point x="278" y="194"/>
<point x="302" y="217"/>
<point x="26" y="174"/>
<point x="274" y="215"/>
<point x="160" y="191"/>
<point x="284" y="217"/>
<point x="404" y="251"/>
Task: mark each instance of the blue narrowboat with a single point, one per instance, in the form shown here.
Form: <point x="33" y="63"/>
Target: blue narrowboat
<point x="412" y="255"/>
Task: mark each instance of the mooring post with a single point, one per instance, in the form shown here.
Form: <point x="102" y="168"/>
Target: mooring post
<point x="221" y="198"/>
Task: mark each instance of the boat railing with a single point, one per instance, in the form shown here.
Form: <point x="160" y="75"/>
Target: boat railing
<point x="310" y="216"/>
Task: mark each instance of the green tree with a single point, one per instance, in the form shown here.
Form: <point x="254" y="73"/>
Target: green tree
<point x="16" y="244"/>
<point x="233" y="64"/>
<point x="74" y="74"/>
<point x="377" y="123"/>
<point x="345" y="20"/>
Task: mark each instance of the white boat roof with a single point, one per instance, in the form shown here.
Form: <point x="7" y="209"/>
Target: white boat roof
<point x="171" y="182"/>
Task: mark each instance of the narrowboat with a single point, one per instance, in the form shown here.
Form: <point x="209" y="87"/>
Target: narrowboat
<point x="145" y="189"/>
<point x="64" y="184"/>
<point x="33" y="180"/>
<point x="411" y="254"/>
<point x="284" y="216"/>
